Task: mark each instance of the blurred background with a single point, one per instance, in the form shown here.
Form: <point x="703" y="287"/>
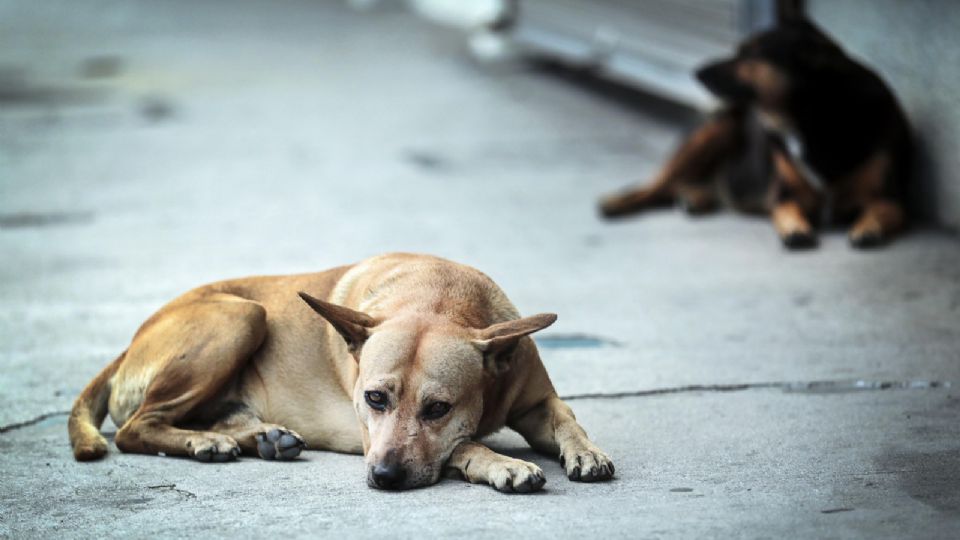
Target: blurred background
<point x="147" y="147"/>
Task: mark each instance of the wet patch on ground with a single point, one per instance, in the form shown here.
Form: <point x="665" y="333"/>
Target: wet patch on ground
<point x="19" y="89"/>
<point x="574" y="341"/>
<point x="424" y="160"/>
<point x="156" y="108"/>
<point x="101" y="67"/>
<point x="19" y="220"/>
<point x="932" y="478"/>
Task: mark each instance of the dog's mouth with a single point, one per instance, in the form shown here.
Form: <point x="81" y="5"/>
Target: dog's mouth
<point x="397" y="477"/>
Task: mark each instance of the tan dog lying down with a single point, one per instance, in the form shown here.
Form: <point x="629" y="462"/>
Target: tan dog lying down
<point x="427" y="354"/>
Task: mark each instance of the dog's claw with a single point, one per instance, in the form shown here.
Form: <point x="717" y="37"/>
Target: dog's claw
<point x="279" y="444"/>
<point x="531" y="483"/>
<point x="516" y="476"/>
<point x="587" y="465"/>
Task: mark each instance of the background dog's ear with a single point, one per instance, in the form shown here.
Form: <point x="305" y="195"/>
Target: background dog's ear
<point x="497" y="341"/>
<point x="352" y="325"/>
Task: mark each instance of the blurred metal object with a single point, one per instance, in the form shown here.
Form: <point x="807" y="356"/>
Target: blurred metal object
<point x="652" y="44"/>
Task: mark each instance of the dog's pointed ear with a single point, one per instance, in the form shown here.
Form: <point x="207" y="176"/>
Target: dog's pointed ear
<point x="498" y="340"/>
<point x="353" y="326"/>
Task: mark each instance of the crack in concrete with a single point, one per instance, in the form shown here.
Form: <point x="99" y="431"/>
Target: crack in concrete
<point x="174" y="488"/>
<point x="800" y="387"/>
<point x="836" y="510"/>
<point x="32" y="421"/>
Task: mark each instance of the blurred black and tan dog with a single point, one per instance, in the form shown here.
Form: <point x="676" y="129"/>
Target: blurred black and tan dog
<point x="806" y="134"/>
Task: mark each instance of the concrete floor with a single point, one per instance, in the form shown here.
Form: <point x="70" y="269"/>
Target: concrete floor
<point x="148" y="147"/>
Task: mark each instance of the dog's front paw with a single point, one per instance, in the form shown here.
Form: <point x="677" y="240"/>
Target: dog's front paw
<point x="867" y="236"/>
<point x="515" y="476"/>
<point x="586" y="464"/>
<point x="279" y="443"/>
<point x="213" y="447"/>
<point x="799" y="239"/>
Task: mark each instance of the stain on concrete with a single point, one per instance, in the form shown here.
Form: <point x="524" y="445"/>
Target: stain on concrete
<point x="424" y="160"/>
<point x="19" y="220"/>
<point x="955" y="301"/>
<point x="909" y="296"/>
<point x="101" y="67"/>
<point x="593" y="240"/>
<point x="932" y="478"/>
<point x="681" y="490"/>
<point x="19" y="89"/>
<point x="156" y="108"/>
<point x="134" y="501"/>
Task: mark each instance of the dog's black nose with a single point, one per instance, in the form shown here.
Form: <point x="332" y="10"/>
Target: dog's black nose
<point x="389" y="475"/>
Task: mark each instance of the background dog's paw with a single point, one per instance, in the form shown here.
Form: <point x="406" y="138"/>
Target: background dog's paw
<point x="611" y="207"/>
<point x="697" y="202"/>
<point x="867" y="239"/>
<point x="587" y="465"/>
<point x="279" y="443"/>
<point x="799" y="240"/>
<point x="515" y="476"/>
<point x="214" y="447"/>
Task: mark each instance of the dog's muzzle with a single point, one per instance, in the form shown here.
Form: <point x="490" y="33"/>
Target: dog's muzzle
<point x="388" y="476"/>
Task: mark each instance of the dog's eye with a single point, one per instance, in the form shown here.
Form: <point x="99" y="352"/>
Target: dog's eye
<point x="376" y="400"/>
<point x="436" y="410"/>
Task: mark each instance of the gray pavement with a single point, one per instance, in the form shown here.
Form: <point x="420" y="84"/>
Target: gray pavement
<point x="148" y="147"/>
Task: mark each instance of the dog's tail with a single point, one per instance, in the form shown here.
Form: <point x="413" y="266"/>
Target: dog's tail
<point x="88" y="413"/>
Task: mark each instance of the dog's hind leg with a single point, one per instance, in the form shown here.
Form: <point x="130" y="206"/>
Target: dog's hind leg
<point x="697" y="198"/>
<point x="88" y="413"/>
<point x="694" y="163"/>
<point x="551" y="428"/>
<point x="184" y="357"/>
<point x="869" y="192"/>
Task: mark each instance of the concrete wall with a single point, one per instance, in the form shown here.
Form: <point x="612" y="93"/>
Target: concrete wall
<point x="915" y="45"/>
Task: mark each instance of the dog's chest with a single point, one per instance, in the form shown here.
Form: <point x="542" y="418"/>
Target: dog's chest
<point x="777" y="125"/>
